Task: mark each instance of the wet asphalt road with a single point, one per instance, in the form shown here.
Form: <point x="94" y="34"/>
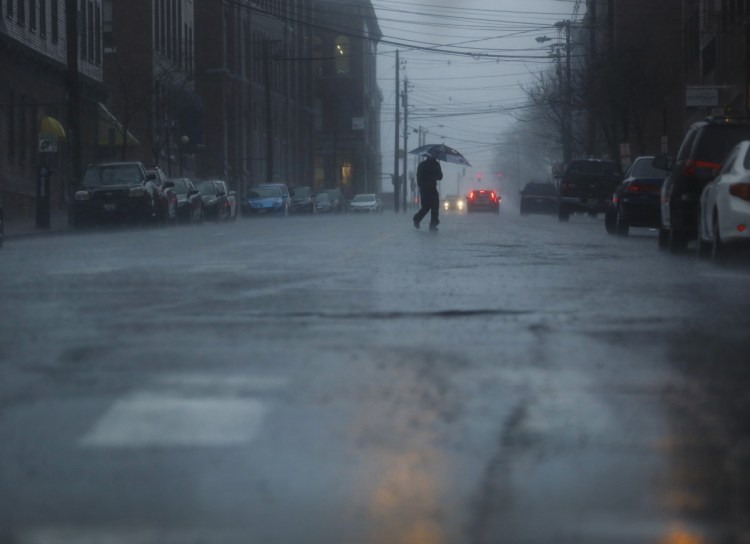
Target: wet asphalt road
<point x="341" y="379"/>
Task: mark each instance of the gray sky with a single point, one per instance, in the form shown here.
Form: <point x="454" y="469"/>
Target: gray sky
<point x="495" y="42"/>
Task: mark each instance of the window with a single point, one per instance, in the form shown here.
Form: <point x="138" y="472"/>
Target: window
<point x="11" y="124"/>
<point x="343" y="55"/>
<point x="9" y="9"/>
<point x="54" y="21"/>
<point x="43" y="18"/>
<point x="21" y="9"/>
<point x="90" y="30"/>
<point x="32" y="15"/>
<point x="82" y="38"/>
<point x="98" y="34"/>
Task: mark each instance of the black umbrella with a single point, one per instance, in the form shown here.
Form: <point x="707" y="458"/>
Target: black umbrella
<point x="441" y="152"/>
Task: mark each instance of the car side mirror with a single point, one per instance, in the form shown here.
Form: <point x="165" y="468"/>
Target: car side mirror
<point x="192" y="192"/>
<point x="221" y="193"/>
<point x="151" y="177"/>
<point x="169" y="184"/>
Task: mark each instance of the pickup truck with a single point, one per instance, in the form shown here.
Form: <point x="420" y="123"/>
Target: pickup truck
<point x="586" y="186"/>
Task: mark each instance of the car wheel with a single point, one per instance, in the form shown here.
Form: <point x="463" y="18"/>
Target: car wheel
<point x="623" y="229"/>
<point x="563" y="214"/>
<point x="718" y="250"/>
<point x="610" y="223"/>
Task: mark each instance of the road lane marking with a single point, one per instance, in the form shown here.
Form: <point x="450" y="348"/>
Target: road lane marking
<point x="183" y="410"/>
<point x="151" y="419"/>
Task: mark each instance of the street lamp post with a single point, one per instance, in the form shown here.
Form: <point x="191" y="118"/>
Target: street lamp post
<point x="184" y="141"/>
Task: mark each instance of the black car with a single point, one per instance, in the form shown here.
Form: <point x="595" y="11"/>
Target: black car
<point x="482" y="200"/>
<point x="705" y="146"/>
<point x="635" y="202"/>
<point x="302" y="201"/>
<point x="586" y="186"/>
<point x="215" y="202"/>
<point x="338" y="202"/>
<point x="115" y="192"/>
<point x="538" y="197"/>
<point x="189" y="201"/>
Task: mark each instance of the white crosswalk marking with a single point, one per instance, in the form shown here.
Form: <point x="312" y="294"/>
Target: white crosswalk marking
<point x="194" y="410"/>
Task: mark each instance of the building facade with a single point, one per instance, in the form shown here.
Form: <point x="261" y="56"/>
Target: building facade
<point x="347" y="97"/>
<point x="33" y="98"/>
<point x="254" y="77"/>
<point x="149" y="52"/>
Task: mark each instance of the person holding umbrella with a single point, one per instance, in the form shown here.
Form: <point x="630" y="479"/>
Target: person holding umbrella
<point x="428" y="174"/>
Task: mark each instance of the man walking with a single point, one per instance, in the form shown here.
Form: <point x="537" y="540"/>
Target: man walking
<point x="428" y="174"/>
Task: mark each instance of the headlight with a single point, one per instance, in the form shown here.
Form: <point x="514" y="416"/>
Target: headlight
<point x="82" y="195"/>
<point x="460" y="204"/>
<point x="137" y="191"/>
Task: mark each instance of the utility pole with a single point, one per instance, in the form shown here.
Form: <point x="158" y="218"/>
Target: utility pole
<point x="406" y="137"/>
<point x="396" y="181"/>
<point x="568" y="149"/>
<point x="74" y="89"/>
<point x="269" y="114"/>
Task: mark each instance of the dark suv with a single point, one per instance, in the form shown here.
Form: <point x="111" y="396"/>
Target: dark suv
<point x="587" y="186"/>
<point x="704" y="147"/>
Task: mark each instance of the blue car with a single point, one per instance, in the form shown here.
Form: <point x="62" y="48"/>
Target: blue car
<point x="265" y="200"/>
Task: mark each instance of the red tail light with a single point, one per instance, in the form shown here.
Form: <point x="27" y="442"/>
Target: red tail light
<point x="635" y="187"/>
<point x="740" y="190"/>
<point x="493" y="196"/>
<point x="691" y="167"/>
<point x="471" y="195"/>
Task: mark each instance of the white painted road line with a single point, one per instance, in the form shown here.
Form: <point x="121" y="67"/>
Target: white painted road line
<point x="152" y="419"/>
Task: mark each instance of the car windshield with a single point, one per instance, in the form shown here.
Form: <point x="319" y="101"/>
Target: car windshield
<point x="180" y="186"/>
<point x="715" y="142"/>
<point x="264" y="192"/>
<point x="363" y="198"/>
<point x="644" y="168"/>
<point x="207" y="188"/>
<point x="114" y="174"/>
<point x="322" y="196"/>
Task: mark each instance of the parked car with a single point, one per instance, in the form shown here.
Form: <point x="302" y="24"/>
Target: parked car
<point x="189" y="201"/>
<point x="538" y="197"/>
<point x="265" y="200"/>
<point x="485" y="200"/>
<point x="724" y="222"/>
<point x="338" y="202"/>
<point x="231" y="198"/>
<point x="323" y="203"/>
<point x="215" y="202"/>
<point x="167" y="196"/>
<point x="586" y="186"/>
<point x="635" y="202"/>
<point x="115" y="192"/>
<point x="366" y="203"/>
<point x="705" y="145"/>
<point x="302" y="200"/>
<point x="454" y="203"/>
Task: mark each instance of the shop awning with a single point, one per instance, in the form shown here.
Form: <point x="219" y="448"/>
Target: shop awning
<point x="50" y="125"/>
<point x="111" y="131"/>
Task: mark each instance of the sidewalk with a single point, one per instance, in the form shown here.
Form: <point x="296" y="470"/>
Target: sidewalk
<point x="58" y="223"/>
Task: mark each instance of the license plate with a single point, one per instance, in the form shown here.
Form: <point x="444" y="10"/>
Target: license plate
<point x="110" y="207"/>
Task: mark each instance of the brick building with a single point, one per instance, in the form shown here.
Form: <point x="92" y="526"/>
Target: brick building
<point x="33" y="97"/>
<point x="347" y="97"/>
<point x="149" y="70"/>
<point x="254" y="77"/>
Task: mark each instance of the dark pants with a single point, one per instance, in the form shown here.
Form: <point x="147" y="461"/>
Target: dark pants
<point x="430" y="203"/>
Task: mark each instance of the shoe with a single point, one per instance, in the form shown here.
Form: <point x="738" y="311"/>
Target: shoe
<point x="416" y="223"/>
<point x="433" y="228"/>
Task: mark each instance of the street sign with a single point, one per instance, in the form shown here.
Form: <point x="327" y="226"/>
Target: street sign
<point x="47" y="143"/>
<point x="701" y="97"/>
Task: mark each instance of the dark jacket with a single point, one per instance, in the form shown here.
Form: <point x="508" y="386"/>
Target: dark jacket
<point x="428" y="173"/>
